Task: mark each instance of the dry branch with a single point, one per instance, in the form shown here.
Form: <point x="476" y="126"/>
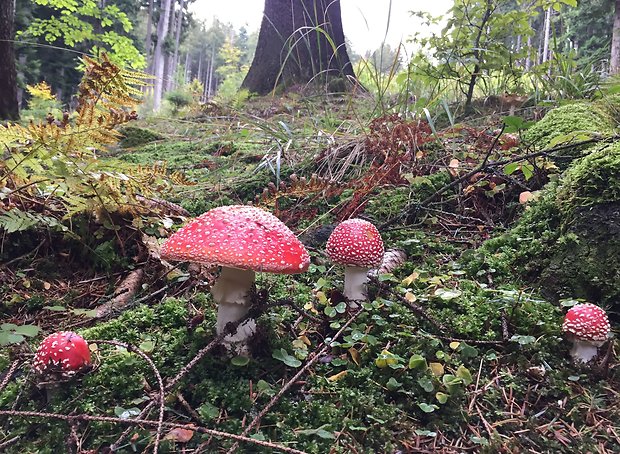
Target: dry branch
<point x="122" y="297"/>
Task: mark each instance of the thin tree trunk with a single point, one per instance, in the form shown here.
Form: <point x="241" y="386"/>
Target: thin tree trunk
<point x="528" y="58"/>
<point x="8" y="75"/>
<point x="158" y="58"/>
<point x="186" y="69"/>
<point x="148" y="43"/>
<point x="177" y="39"/>
<point x="477" y="56"/>
<point x="545" y="54"/>
<point x="210" y="77"/>
<point x="614" y="62"/>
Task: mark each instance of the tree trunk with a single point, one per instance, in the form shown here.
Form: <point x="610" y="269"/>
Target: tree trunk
<point x="614" y="62"/>
<point x="545" y="54"/>
<point x="477" y="56"/>
<point x="293" y="47"/>
<point x="148" y="43"/>
<point x="8" y="74"/>
<point x="158" y="56"/>
<point x="177" y="41"/>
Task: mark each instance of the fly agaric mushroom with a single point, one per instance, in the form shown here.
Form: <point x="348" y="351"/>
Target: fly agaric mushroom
<point x="357" y="245"/>
<point x="587" y="326"/>
<point x="64" y="352"/>
<point x="241" y="239"/>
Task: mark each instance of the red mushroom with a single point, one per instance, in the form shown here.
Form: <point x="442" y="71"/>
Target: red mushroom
<point x="64" y="352"/>
<point x="241" y="239"/>
<point x="357" y="245"/>
<point x="587" y="326"/>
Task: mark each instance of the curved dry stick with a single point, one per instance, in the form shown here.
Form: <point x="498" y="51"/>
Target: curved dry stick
<point x="9" y="375"/>
<point x="316" y="355"/>
<point x="148" y="422"/>
<point x="160" y="382"/>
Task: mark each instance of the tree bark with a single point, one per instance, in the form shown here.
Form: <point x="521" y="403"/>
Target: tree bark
<point x="8" y="75"/>
<point x="148" y="43"/>
<point x="614" y="62"/>
<point x="545" y="55"/>
<point x="158" y="56"/>
<point x="293" y="47"/>
<point x="177" y="42"/>
<point x="477" y="56"/>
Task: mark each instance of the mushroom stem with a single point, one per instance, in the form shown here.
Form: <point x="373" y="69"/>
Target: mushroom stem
<point x="355" y="278"/>
<point x="231" y="292"/>
<point x="584" y="351"/>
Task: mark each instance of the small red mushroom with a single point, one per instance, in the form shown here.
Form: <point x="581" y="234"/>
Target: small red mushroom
<point x="357" y="245"/>
<point x="64" y="352"/>
<point x="587" y="326"/>
<point x="241" y="239"/>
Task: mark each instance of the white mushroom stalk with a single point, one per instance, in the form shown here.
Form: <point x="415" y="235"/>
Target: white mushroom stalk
<point x="242" y="240"/>
<point x="232" y="293"/>
<point x="355" y="278"/>
<point x="358" y="246"/>
<point x="587" y="326"/>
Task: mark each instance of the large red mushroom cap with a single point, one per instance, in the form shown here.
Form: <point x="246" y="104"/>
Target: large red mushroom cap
<point x="355" y="242"/>
<point x="65" y="352"/>
<point x="239" y="236"/>
<point x="587" y="322"/>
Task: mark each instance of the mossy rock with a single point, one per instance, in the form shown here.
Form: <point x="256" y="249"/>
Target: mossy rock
<point x="579" y="117"/>
<point x="135" y="137"/>
<point x="569" y="241"/>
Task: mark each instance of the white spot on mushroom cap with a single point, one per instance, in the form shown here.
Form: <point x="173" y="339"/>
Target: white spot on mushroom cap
<point x="355" y="242"/>
<point x="587" y="322"/>
<point x="239" y="236"/>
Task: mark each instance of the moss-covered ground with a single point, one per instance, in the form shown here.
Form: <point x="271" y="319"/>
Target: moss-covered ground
<point x="482" y="367"/>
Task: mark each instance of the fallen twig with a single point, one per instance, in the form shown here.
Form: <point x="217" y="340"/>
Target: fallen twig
<point x="312" y="358"/>
<point x="147" y="422"/>
<point x="160" y="382"/>
<point x="122" y="297"/>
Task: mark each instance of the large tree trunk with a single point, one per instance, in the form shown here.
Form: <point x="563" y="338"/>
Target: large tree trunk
<point x="293" y="47"/>
<point x="8" y="73"/>
<point x="159" y="59"/>
<point x="614" y="63"/>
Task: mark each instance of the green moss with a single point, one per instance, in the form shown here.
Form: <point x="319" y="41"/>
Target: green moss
<point x="571" y="118"/>
<point x="135" y="137"/>
<point x="569" y="240"/>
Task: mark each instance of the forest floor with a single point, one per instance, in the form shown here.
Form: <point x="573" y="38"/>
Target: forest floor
<point x="445" y="356"/>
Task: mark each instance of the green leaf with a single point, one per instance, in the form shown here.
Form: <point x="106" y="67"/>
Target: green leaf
<point x="240" y="361"/>
<point x="426" y="408"/>
<point x="513" y="124"/>
<point x="511" y="168"/>
<point x="463" y="373"/>
<point x="442" y="398"/>
<point x="426" y="384"/>
<point x="523" y="340"/>
<point x="417" y="362"/>
<point x="208" y="411"/>
<point x="393" y="384"/>
<point x="27" y="330"/>
<point x="289" y="360"/>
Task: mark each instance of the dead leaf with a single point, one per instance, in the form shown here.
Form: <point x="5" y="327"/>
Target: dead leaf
<point x="525" y="197"/>
<point x="338" y="376"/>
<point x="179" y="435"/>
<point x="453" y="167"/>
<point x="437" y="369"/>
<point x="355" y="355"/>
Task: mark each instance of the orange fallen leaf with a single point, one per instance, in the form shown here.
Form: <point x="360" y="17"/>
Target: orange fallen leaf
<point x="179" y="435"/>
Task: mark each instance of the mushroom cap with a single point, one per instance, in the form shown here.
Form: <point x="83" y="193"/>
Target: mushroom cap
<point x="586" y="322"/>
<point x="355" y="242"/>
<point x="64" y="351"/>
<point x="239" y="236"/>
